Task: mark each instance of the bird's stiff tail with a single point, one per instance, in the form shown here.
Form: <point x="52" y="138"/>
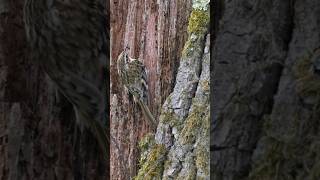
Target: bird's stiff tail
<point x="148" y="114"/>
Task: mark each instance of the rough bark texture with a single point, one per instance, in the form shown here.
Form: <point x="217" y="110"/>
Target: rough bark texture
<point x="180" y="148"/>
<point x="155" y="31"/>
<point x="266" y="91"/>
<point x="37" y="129"/>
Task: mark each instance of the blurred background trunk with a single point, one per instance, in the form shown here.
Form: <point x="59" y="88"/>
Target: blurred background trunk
<point x="37" y="128"/>
<point x="155" y="31"/>
<point x="265" y="90"/>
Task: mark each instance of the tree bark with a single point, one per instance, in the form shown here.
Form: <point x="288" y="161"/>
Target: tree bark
<point x="179" y="149"/>
<point x="265" y="94"/>
<point x="155" y="31"/>
<point x="37" y="126"/>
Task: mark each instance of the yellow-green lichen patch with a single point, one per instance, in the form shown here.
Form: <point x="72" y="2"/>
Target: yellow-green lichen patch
<point x="152" y="168"/>
<point x="308" y="84"/>
<point x="145" y="144"/>
<point x="186" y="49"/>
<point x="170" y="118"/>
<point x="193" y="124"/>
<point x="198" y="21"/>
<point x="191" y="174"/>
<point x="205" y="85"/>
<point x="197" y="27"/>
<point x="206" y="125"/>
<point x="202" y="159"/>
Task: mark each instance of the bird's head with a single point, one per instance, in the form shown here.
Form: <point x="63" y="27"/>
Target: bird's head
<point x="122" y="58"/>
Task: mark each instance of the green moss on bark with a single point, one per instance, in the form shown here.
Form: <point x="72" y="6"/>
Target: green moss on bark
<point x="193" y="124"/>
<point x="145" y="144"/>
<point x="202" y="159"/>
<point x="152" y="168"/>
<point x="198" y="26"/>
<point x="198" y="21"/>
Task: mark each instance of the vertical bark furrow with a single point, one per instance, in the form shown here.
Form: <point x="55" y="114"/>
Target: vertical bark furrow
<point x="289" y="148"/>
<point x="155" y="31"/>
<point x="248" y="55"/>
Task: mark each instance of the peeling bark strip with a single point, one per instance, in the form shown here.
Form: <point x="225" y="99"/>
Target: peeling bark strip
<point x="265" y="122"/>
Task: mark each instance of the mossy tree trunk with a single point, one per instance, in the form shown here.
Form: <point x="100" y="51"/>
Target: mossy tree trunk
<point x="179" y="149"/>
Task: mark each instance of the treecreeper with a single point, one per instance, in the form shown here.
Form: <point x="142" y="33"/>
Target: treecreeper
<point x="69" y="41"/>
<point x="132" y="73"/>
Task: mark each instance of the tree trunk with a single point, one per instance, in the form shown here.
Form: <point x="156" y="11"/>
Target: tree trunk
<point x="154" y="31"/>
<point x="265" y="91"/>
<point x="37" y="126"/>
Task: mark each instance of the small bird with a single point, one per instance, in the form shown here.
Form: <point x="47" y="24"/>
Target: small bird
<point x="69" y="40"/>
<point x="132" y="73"/>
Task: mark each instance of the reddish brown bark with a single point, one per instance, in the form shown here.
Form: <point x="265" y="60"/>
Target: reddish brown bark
<point x="156" y="34"/>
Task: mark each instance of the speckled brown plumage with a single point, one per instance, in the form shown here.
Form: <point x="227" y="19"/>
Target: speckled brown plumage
<point x="132" y="73"/>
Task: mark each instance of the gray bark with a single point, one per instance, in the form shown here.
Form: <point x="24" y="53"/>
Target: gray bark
<point x="180" y="148"/>
<point x="265" y="93"/>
